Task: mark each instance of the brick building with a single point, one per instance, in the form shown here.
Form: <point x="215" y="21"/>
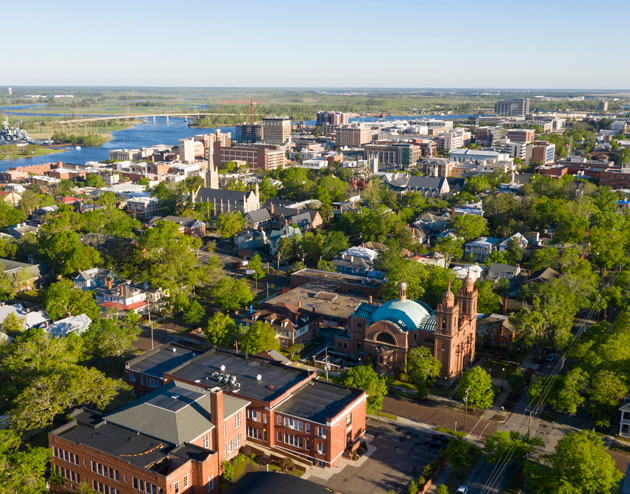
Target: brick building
<point x="353" y="135"/>
<point x="289" y="411"/>
<point x="386" y="332"/>
<point x="257" y="156"/>
<point x="173" y="440"/>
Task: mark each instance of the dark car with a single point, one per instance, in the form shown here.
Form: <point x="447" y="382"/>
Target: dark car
<point x="436" y="442"/>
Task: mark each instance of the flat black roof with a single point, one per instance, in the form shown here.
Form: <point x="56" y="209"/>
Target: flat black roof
<point x="319" y="401"/>
<point x="275" y="378"/>
<point x="160" y="360"/>
<point x="275" y="483"/>
<point x="138" y="449"/>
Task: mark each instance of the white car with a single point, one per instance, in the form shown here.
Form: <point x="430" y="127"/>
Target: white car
<point x="462" y="489"/>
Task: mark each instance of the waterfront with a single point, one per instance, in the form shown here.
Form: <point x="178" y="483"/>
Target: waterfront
<point x="160" y="132"/>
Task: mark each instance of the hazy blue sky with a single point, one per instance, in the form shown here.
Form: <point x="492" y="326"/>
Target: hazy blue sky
<point x="540" y="44"/>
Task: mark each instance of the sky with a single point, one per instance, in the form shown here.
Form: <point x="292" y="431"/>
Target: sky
<point x="343" y="43"/>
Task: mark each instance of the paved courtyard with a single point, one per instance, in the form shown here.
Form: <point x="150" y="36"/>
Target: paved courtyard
<point x="399" y="455"/>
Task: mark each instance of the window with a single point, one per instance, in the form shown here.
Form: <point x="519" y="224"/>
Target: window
<point x="135" y="483"/>
<point x="72" y="476"/>
<point x="321" y="448"/>
<point x="237" y="441"/>
<point x="307" y="444"/>
<point x="307" y="428"/>
<point x="349" y="419"/>
<point x="321" y="431"/>
<point x="295" y="441"/>
<point x="141" y="486"/>
<point x="253" y="432"/>
<point x="99" y="468"/>
<point x="185" y="480"/>
<point x="230" y="447"/>
<point x="78" y="478"/>
<point x="65" y="455"/>
<point x="210" y="483"/>
<point x="252" y="415"/>
<point x="278" y="420"/>
<point x="264" y="418"/>
<point x="116" y="476"/>
<point x="293" y="424"/>
<point x="224" y="429"/>
<point x="264" y="436"/>
<point x="176" y="487"/>
<point x="206" y="441"/>
<point x="279" y="436"/>
<point x="132" y="377"/>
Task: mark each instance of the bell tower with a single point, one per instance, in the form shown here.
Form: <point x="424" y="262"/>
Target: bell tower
<point x="446" y="334"/>
<point x="447" y="314"/>
<point x="212" y="174"/>
<point x="467" y="298"/>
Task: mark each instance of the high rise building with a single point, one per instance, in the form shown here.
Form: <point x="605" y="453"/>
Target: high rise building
<point x="521" y="135"/>
<point x="276" y="130"/>
<point x="513" y="107"/>
<point x="541" y="152"/>
<point x="248" y="133"/>
<point x="353" y="135"/>
<point x="332" y="118"/>
<point x="603" y="105"/>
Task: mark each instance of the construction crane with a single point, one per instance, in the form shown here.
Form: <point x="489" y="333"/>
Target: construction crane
<point x="251" y="103"/>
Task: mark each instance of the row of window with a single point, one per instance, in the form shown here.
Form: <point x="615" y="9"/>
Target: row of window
<point x="297" y="425"/>
<point x="300" y="442"/>
<point x="62" y="454"/>
<point x="256" y="416"/>
<point x="232" y="445"/>
<point x="143" y="486"/>
<point x="257" y="433"/>
<point x="105" y="471"/>
<point x="104" y="488"/>
<point x="152" y="382"/>
<point x="68" y="474"/>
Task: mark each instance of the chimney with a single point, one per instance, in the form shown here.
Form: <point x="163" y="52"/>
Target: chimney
<point x="271" y="208"/>
<point x="109" y="284"/>
<point x="299" y="304"/>
<point x="216" y="415"/>
<point x="120" y="290"/>
<point x="370" y="299"/>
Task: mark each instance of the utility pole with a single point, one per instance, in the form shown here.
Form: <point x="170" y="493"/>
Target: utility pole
<point x="466" y="408"/>
<point x="150" y="324"/>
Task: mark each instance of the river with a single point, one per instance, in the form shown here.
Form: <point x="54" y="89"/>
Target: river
<point x="160" y="132"/>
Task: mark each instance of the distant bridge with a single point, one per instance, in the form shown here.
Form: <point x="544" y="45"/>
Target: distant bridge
<point x="186" y="116"/>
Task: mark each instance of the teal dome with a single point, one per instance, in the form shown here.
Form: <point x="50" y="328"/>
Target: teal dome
<point x="406" y="314"/>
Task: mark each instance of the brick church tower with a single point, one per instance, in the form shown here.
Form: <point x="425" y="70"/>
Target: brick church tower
<point x="456" y="325"/>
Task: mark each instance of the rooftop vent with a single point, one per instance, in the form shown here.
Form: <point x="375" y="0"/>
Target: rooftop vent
<point x="222" y="368"/>
<point x="197" y="380"/>
<point x="175" y="397"/>
<point x="174" y="350"/>
<point x="258" y="377"/>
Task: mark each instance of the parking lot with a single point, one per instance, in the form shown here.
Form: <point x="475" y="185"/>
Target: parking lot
<point x="400" y="455"/>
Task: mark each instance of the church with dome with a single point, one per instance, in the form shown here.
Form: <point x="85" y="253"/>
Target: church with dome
<point x="386" y="332"/>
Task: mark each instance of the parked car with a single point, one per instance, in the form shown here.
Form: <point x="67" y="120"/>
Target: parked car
<point x="436" y="442"/>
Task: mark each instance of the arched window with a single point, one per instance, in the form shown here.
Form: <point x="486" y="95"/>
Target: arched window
<point x="385" y="338"/>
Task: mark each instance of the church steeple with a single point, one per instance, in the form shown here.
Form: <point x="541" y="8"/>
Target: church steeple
<point x="212" y="174"/>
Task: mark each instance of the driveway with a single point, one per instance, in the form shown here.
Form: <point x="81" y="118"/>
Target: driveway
<point x="400" y="455"/>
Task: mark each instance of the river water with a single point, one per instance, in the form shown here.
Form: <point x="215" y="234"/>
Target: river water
<point x="151" y="134"/>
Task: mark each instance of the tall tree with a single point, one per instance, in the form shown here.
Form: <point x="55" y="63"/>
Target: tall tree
<point x="470" y="226"/>
<point x="220" y="330"/>
<point x="22" y="468"/>
<point x="364" y="377"/>
<point x="231" y="294"/>
<point x="476" y="386"/>
<point x="62" y="299"/>
<point x="110" y="338"/>
<point x="66" y="254"/>
<point x="259" y="337"/>
<point x="422" y="366"/>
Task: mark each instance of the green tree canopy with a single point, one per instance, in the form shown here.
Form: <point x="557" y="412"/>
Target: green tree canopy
<point x="476" y="386"/>
<point x="22" y="468"/>
<point x="231" y="294"/>
<point x="364" y="377"/>
<point x="421" y="367"/>
<point x="259" y="337"/>
<point x="229" y="224"/>
<point x="580" y="464"/>
<point x="62" y="299"/>
<point x="194" y="313"/>
<point x="110" y="338"/>
<point x="66" y="254"/>
<point x="221" y="330"/>
<point x="470" y="226"/>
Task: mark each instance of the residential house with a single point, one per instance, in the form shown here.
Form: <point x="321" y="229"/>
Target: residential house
<point x="124" y="298"/>
<point x="31" y="318"/>
<point x="21" y="229"/>
<point x="431" y="259"/>
<point x="427" y="186"/>
<point x="291" y="322"/>
<point x="72" y="324"/>
<point x="287" y="231"/>
<point x="93" y="278"/>
<point x="473" y="270"/>
<point x="26" y="276"/>
<point x="544" y="275"/>
<point x="250" y="240"/>
<point x="497" y="271"/>
<point x="517" y="237"/>
<point x="496" y="330"/>
<point x="187" y="226"/>
<point x="358" y="261"/>
<point x="10" y="197"/>
<point x="481" y="248"/>
<point x="257" y="219"/>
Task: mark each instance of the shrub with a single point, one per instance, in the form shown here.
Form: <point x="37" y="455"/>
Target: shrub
<point x="413" y="487"/>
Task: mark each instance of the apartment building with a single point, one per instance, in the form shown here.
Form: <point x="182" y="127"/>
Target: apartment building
<point x="248" y="133"/>
<point x="289" y="411"/>
<point x="521" y="135"/>
<point x="452" y="139"/>
<point x="143" y="207"/>
<point x="353" y="135"/>
<point x="257" y="156"/>
<point x="332" y="118"/>
<point x="393" y="154"/>
<point x="276" y="130"/>
<point x="173" y="440"/>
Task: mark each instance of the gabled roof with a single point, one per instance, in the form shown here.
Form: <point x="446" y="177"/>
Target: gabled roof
<point x="258" y="215"/>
